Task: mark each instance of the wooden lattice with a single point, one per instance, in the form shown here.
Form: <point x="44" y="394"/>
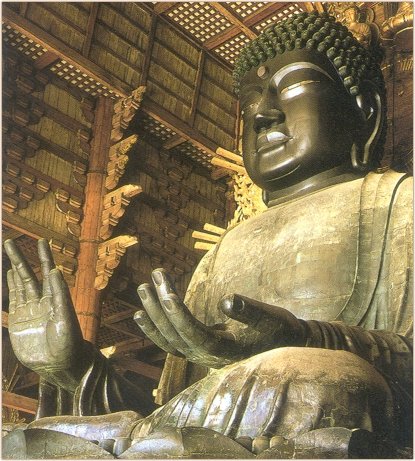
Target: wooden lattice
<point x="231" y="48"/>
<point x="195" y="153"/>
<point x="244" y="9"/>
<point x="199" y="19"/>
<point x="71" y="74"/>
<point x="155" y="128"/>
<point x="282" y="14"/>
<point x="22" y="43"/>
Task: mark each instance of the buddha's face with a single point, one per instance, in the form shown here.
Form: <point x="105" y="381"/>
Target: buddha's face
<point x="299" y="120"/>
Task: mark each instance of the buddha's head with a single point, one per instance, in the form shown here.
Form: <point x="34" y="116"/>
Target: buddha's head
<point x="312" y="100"/>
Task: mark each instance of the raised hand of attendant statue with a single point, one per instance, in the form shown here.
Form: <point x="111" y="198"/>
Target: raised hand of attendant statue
<point x="44" y="330"/>
<point x="253" y="326"/>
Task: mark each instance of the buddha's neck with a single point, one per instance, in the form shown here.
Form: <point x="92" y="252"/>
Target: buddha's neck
<point x="315" y="183"/>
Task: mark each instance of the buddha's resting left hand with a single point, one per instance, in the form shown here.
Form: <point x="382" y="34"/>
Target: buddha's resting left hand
<point x="258" y="326"/>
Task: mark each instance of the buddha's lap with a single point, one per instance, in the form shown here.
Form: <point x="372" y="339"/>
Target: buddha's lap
<point x="285" y="392"/>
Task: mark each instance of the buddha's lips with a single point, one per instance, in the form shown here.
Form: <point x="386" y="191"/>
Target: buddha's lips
<point x="271" y="138"/>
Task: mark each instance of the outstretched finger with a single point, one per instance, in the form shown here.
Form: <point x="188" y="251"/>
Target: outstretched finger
<point x="63" y="308"/>
<point x="20" y="291"/>
<point x="24" y="270"/>
<point x="201" y="340"/>
<point x="156" y="313"/>
<point x="46" y="263"/>
<point x="241" y="309"/>
<point x="149" y="329"/>
<point x="276" y="321"/>
<point x="12" y="291"/>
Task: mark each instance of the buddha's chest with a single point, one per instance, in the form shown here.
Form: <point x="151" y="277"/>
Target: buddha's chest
<point x="301" y="256"/>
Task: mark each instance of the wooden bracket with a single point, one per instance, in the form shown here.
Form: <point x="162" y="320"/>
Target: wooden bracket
<point x="207" y="240"/>
<point x="109" y="256"/>
<point x="115" y="203"/>
<point x="124" y="111"/>
<point x="118" y="159"/>
<point x="70" y="205"/>
<point x="20" y="187"/>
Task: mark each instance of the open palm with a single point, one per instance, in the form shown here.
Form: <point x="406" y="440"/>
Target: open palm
<point x="44" y="330"/>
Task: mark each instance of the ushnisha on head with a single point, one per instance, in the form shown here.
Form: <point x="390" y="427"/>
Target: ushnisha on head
<point x="312" y="101"/>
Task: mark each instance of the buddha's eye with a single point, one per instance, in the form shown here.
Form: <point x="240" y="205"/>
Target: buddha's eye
<point x="296" y="89"/>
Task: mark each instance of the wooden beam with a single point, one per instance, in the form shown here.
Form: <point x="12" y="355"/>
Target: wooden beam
<point x="195" y="99"/>
<point x="34" y="230"/>
<point x="149" y="50"/>
<point x="28" y="380"/>
<point x="90" y="28"/>
<point x="173" y="142"/>
<point x="117" y="317"/>
<point x="4" y="319"/>
<point x="19" y="402"/>
<point x="221" y="38"/>
<point x="10" y="234"/>
<point x="46" y="60"/>
<point x="23" y="8"/>
<point x="269" y="9"/>
<point x="179" y="126"/>
<point x="141" y="368"/>
<point x="163" y="7"/>
<point x="231" y="17"/>
<point x="133" y="344"/>
<point x="64" y="51"/>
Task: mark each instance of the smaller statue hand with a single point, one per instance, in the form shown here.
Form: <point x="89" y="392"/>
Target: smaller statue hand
<point x="44" y="330"/>
<point x="169" y="324"/>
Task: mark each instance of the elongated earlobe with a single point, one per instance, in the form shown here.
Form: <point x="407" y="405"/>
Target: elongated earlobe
<point x="370" y="104"/>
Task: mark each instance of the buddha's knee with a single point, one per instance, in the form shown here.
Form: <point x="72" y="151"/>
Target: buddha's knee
<point x="284" y="392"/>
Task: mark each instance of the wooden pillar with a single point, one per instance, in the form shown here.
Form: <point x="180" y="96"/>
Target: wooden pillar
<point x="86" y="298"/>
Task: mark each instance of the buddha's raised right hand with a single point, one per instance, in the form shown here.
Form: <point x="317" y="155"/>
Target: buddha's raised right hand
<point x="253" y="326"/>
<point x="44" y="330"/>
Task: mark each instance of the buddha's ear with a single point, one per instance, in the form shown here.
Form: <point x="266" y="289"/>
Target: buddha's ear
<point x="370" y="104"/>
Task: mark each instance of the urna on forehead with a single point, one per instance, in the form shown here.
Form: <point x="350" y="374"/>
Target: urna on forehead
<point x="321" y="35"/>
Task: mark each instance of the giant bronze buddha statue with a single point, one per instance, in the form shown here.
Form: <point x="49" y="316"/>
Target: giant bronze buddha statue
<point x="299" y="318"/>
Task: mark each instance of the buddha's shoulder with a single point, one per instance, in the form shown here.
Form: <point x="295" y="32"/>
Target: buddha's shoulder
<point x="390" y="186"/>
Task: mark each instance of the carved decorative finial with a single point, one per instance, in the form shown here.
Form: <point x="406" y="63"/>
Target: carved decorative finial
<point x="118" y="159"/>
<point x="109" y="256"/>
<point x="115" y="203"/>
<point x="124" y="111"/>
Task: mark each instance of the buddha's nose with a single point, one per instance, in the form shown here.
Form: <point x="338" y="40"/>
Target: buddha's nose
<point x="265" y="119"/>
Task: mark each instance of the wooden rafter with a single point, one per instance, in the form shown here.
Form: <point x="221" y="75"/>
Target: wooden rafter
<point x="149" y="50"/>
<point x="141" y="368"/>
<point x="195" y="99"/>
<point x="19" y="402"/>
<point x="93" y="70"/>
<point x="231" y="17"/>
<point x="255" y="18"/>
<point x="65" y="52"/>
<point x="163" y="7"/>
<point x="173" y="142"/>
<point x="179" y="126"/>
<point x="90" y="28"/>
<point x="4" y="319"/>
<point x="23" y="8"/>
<point x="46" y="60"/>
<point x="28" y="380"/>
<point x="133" y="344"/>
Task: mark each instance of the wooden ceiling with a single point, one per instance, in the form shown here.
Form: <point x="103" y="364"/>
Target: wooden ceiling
<point x="183" y="52"/>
